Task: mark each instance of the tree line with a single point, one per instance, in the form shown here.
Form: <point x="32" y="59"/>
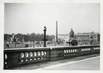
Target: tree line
<point x="27" y="37"/>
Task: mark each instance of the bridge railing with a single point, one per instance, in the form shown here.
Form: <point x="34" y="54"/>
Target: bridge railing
<point x="20" y="56"/>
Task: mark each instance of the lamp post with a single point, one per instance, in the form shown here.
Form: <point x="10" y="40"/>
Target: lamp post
<point x="45" y="29"/>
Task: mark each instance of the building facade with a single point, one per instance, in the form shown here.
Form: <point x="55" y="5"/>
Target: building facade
<point x="87" y="38"/>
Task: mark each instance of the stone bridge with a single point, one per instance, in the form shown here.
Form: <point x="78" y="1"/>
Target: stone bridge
<point x="17" y="57"/>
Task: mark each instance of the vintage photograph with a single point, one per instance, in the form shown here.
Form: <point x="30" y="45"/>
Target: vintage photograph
<point x="51" y="36"/>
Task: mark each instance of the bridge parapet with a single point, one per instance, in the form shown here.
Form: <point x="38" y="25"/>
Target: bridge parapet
<point x="18" y="57"/>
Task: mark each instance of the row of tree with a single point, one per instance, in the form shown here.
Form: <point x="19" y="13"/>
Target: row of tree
<point x="27" y="37"/>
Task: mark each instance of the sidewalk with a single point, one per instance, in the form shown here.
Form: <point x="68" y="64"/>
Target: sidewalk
<point x="85" y="64"/>
<point x="64" y="64"/>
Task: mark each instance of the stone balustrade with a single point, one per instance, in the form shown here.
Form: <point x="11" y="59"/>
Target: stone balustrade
<point x="20" y="56"/>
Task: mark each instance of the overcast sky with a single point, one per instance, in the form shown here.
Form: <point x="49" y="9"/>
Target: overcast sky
<point x="29" y="18"/>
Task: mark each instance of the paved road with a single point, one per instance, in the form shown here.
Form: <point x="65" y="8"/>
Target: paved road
<point x="85" y="64"/>
<point x="79" y="63"/>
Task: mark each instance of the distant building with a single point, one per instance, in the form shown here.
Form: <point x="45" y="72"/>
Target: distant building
<point x="90" y="38"/>
<point x="63" y="37"/>
<point x="87" y="38"/>
<point x="67" y="37"/>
